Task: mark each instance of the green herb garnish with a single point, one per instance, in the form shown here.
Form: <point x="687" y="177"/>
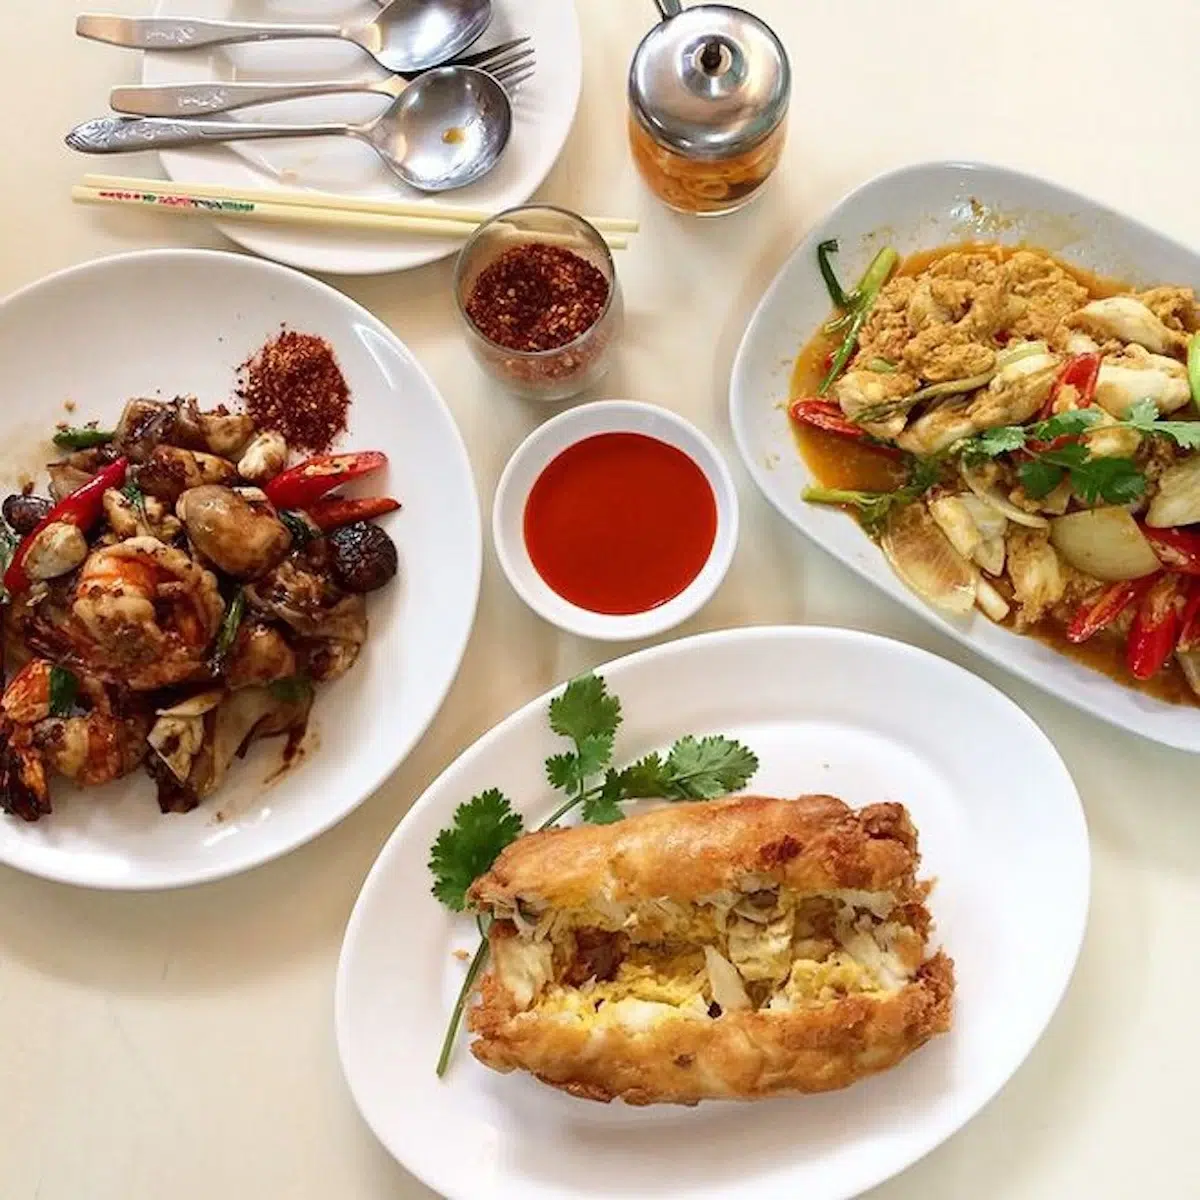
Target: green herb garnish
<point x="873" y="508"/>
<point x="302" y="532"/>
<point x="292" y="689"/>
<point x="228" y="631"/>
<point x="82" y="437"/>
<point x="855" y="306"/>
<point x="588" y="716"/>
<point x="64" y="688"/>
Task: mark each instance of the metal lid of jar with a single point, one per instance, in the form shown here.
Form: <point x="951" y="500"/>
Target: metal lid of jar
<point x="710" y="81"/>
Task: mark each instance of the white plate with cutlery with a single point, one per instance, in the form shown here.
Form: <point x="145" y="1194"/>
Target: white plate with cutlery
<point x="543" y="109"/>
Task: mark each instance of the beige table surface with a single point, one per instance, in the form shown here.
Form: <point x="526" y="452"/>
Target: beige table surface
<point x="181" y="1045"/>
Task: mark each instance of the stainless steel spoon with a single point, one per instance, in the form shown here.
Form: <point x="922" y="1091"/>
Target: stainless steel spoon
<point x="446" y="129"/>
<point x="407" y="35"/>
<point x="505" y="62"/>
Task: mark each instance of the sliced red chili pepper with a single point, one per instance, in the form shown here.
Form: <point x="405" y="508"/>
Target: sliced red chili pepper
<point x="1177" y="549"/>
<point x="828" y="417"/>
<point x="82" y="508"/>
<point x="1106" y="608"/>
<point x="308" y="481"/>
<point x="336" y="511"/>
<point x="1080" y="373"/>
<point x="1155" y="628"/>
<point x="1189" y="622"/>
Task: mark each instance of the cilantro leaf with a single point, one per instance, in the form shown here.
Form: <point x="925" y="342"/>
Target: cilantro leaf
<point x="1039" y="478"/>
<point x="604" y="807"/>
<point x="1066" y="424"/>
<point x="482" y="827"/>
<point x="1142" y="414"/>
<point x="562" y="771"/>
<point x="708" y="767"/>
<point x="1113" y="480"/>
<point x="646" y="779"/>
<point x="64" y="687"/>
<point x="991" y="443"/>
<point x="585" y="709"/>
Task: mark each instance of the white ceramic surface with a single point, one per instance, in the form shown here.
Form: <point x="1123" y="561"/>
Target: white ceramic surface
<point x="912" y="209"/>
<point x="545" y="444"/>
<point x="181" y="323"/>
<point x="820" y="707"/>
<point x="543" y="110"/>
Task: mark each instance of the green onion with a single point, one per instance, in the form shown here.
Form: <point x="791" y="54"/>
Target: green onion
<point x="1193" y="367"/>
<point x="229" y="627"/>
<point x="864" y="297"/>
<point x="296" y="524"/>
<point x="881" y="366"/>
<point x="1012" y="354"/>
<point x="836" y="294"/>
<point x="290" y="690"/>
<point x="82" y="437"/>
<point x="64" y="687"/>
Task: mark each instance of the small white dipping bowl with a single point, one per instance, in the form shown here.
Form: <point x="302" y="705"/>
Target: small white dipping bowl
<point x="545" y="444"/>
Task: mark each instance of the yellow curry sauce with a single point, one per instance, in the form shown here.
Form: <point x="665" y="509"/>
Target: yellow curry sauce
<point x="837" y="462"/>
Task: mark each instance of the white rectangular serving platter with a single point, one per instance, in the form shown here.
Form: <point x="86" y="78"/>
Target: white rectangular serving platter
<point x="917" y="208"/>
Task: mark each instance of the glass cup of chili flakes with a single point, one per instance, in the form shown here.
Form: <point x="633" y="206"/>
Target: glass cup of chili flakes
<point x="539" y="298"/>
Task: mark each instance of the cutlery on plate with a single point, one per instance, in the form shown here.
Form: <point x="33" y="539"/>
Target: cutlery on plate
<point x="445" y="130"/>
<point x="194" y="99"/>
<point x="407" y="35"/>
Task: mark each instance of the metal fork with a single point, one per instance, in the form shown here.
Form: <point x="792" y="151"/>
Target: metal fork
<point x="511" y="63"/>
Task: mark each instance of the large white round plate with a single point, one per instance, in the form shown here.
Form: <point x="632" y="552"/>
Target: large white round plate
<point x="916" y="208"/>
<point x="826" y="710"/>
<point x="174" y="322"/>
<point x="543" y="110"/>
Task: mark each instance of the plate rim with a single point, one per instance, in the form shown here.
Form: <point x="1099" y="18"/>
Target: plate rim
<point x="242" y="235"/>
<point x="68" y="275"/>
<point x="758" y="473"/>
<point x="746" y="633"/>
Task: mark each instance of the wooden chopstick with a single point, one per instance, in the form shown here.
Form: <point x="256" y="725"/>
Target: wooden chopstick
<point x="237" y="207"/>
<point x="299" y="198"/>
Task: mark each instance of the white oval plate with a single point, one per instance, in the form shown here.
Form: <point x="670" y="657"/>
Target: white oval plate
<point x="826" y="710"/>
<point x="543" y="110"/>
<point x="178" y="321"/>
<point x="912" y="209"/>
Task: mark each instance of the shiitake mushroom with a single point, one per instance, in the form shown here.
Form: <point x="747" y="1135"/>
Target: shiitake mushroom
<point x="363" y="557"/>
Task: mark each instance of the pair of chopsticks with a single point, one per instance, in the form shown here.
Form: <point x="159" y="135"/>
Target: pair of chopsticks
<point x="295" y="207"/>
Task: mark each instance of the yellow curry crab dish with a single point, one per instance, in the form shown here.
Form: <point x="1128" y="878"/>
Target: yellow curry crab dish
<point x="726" y="949"/>
<point x="1019" y="437"/>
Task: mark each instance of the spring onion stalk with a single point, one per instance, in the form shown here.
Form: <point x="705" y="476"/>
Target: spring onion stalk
<point x="73" y="437"/>
<point x="864" y="297"/>
<point x="881" y="366"/>
<point x="1193" y="367"/>
<point x="839" y="297"/>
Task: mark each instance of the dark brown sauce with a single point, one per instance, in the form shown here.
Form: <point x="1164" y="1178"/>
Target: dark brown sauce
<point x="836" y="462"/>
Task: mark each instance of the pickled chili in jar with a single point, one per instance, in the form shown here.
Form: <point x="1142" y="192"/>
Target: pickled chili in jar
<point x="708" y="100"/>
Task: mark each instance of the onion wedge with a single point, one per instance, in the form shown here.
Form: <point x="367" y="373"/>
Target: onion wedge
<point x="922" y="556"/>
<point x="1104" y="543"/>
<point x="994" y="498"/>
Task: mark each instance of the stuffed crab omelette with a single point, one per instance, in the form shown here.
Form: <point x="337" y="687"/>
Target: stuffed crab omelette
<point x="730" y="949"/>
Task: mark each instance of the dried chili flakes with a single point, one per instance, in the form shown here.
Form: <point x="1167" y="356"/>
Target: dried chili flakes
<point x="536" y="297"/>
<point x="294" y="386"/>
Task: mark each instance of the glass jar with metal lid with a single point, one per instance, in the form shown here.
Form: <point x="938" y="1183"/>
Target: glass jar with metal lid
<point x="708" y="100"/>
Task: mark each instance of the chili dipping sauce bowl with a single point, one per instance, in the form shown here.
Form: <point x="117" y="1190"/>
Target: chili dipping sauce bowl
<point x="569" y="366"/>
<point x="628" y="508"/>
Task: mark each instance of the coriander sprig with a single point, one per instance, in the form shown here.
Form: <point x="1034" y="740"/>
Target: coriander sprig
<point x="589" y="716"/>
<point x="1112" y="479"/>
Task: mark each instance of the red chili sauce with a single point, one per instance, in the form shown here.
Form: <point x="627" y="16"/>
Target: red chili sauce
<point x="620" y="523"/>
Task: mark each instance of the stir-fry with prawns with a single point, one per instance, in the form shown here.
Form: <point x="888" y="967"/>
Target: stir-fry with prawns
<point x="176" y="596"/>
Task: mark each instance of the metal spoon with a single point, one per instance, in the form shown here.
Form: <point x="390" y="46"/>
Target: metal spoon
<point x="446" y="129"/>
<point x="407" y="35"/>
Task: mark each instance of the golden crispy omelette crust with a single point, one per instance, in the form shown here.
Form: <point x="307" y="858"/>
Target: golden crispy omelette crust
<point x="741" y="1056"/>
<point x="809" y="846"/>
